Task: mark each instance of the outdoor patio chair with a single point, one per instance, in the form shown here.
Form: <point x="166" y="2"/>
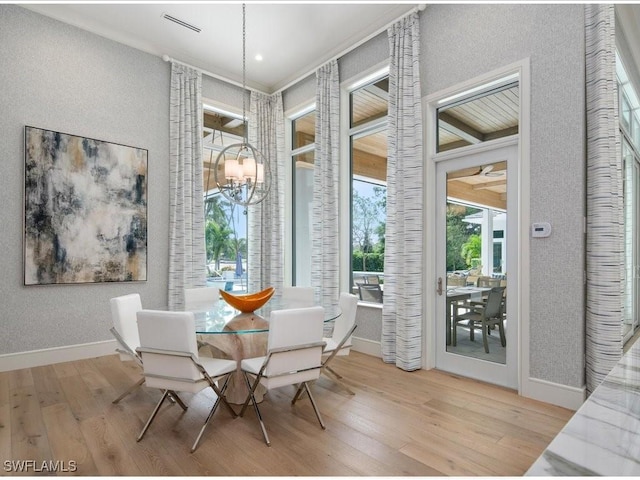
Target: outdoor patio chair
<point x="490" y="314"/>
<point x="370" y="292"/>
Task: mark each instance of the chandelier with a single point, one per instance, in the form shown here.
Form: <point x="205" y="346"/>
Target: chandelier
<point x="241" y="172"/>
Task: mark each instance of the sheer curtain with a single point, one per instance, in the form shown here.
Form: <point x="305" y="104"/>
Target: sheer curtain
<point x="403" y="285"/>
<point x="325" y="259"/>
<point x="186" y="206"/>
<point x="266" y="219"/>
<point x="605" y="220"/>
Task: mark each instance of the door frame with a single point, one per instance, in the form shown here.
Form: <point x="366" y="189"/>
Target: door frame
<point x="522" y="185"/>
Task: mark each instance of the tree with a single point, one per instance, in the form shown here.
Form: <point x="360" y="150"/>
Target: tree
<point x="458" y="232"/>
<point x="471" y="249"/>
<point x="366" y="221"/>
<point x="214" y="209"/>
<point x="218" y="238"/>
<point x="221" y="232"/>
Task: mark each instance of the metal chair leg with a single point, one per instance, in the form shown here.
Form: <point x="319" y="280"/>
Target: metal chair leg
<point x="219" y="397"/>
<point x="220" y="394"/>
<point x="173" y="396"/>
<point x="337" y="375"/>
<point x="153" y="415"/>
<point x="129" y="390"/>
<point x="315" y="407"/>
<point x="336" y="378"/>
<point x="503" y="338"/>
<point x="485" y="342"/>
<point x="252" y="398"/>
<point x="297" y="395"/>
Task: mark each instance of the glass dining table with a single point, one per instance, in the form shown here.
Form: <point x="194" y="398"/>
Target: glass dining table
<point x="224" y="332"/>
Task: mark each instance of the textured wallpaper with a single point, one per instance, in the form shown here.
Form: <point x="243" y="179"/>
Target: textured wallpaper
<point x="461" y="42"/>
<point x="58" y="77"/>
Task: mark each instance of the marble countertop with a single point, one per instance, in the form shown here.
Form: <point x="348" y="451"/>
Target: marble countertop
<point x="603" y="436"/>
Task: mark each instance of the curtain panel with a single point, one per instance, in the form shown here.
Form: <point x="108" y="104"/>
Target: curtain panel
<point x="605" y="216"/>
<point x="187" y="255"/>
<point x="265" y="264"/>
<point x="325" y="257"/>
<point x="403" y="259"/>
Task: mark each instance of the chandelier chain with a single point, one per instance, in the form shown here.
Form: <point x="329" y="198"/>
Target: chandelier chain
<point x="247" y="177"/>
<point x="244" y="72"/>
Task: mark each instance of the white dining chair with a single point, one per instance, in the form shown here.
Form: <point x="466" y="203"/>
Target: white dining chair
<point x="200" y="298"/>
<point x="125" y="331"/>
<point x="339" y="343"/>
<point x="170" y="362"/>
<point x="294" y="356"/>
<point x="298" y="297"/>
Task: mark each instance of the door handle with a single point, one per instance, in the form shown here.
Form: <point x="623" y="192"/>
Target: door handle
<point x="439" y="286"/>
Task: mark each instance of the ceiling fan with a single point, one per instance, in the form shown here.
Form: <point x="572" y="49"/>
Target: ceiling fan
<point x="487" y="171"/>
<point x="497" y="169"/>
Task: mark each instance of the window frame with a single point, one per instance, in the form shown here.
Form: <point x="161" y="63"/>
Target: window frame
<point x="360" y="130"/>
<point x="629" y="128"/>
<point x="291" y="264"/>
<point x="214" y="107"/>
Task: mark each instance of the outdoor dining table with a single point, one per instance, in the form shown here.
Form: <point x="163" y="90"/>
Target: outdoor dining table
<point x="232" y="334"/>
<point x="455" y="294"/>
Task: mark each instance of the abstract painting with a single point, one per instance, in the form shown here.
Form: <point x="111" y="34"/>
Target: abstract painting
<point x="85" y="218"/>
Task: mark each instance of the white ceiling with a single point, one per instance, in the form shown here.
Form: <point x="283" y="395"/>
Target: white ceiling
<point x="294" y="39"/>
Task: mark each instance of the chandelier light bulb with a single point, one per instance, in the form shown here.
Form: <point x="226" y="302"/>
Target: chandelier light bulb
<point x="249" y="168"/>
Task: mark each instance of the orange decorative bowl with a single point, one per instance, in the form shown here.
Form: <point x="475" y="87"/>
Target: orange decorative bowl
<point x="250" y="302"/>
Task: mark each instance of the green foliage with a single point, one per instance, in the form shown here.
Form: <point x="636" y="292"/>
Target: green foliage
<point x="368" y="230"/>
<point x="220" y="231"/>
<point x="458" y="233"/>
<point x="374" y="262"/>
<point x="218" y="240"/>
<point x="471" y="249"/>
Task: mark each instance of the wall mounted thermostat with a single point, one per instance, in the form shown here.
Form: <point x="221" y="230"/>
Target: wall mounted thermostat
<point x="541" y="229"/>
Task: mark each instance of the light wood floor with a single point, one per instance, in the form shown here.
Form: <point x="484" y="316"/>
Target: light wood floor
<point x="398" y="423"/>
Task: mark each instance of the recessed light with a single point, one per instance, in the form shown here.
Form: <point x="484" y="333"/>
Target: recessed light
<point x="258" y="57"/>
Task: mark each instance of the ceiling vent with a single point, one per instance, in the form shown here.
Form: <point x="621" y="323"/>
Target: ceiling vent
<point x="181" y="22"/>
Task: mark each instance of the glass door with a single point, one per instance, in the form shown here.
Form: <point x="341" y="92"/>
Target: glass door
<point x="477" y="265"/>
<point x="631" y="240"/>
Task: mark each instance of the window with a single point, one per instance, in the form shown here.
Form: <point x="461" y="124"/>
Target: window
<point x="491" y="113"/>
<point x="368" y="107"/>
<point x="629" y="131"/>
<point x="225" y="222"/>
<point x="303" y="130"/>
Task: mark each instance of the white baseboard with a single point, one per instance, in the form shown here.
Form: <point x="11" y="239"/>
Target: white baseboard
<point x="48" y="356"/>
<point x="368" y="347"/>
<point x="554" y="393"/>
